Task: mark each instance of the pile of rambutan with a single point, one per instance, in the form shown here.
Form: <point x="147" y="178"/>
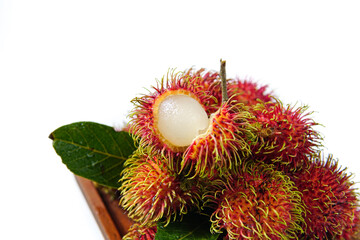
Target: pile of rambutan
<point x="230" y="147"/>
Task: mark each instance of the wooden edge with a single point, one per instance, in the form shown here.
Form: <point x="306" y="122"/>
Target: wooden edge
<point x="99" y="209"/>
<point x="121" y="220"/>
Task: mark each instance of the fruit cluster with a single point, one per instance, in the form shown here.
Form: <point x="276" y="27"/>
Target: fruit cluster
<point x="254" y="164"/>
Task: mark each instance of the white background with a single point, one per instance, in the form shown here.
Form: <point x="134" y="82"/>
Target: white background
<point x="72" y="60"/>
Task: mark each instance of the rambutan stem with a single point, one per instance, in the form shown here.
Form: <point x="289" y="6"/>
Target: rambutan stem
<point x="224" y="94"/>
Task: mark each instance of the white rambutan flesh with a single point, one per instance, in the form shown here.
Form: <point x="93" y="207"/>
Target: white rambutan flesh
<point x="180" y="119"/>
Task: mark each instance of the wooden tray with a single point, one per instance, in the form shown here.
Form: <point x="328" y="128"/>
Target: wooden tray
<point x="111" y="219"/>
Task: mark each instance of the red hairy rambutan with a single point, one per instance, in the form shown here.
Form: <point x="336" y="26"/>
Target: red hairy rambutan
<point x="224" y="143"/>
<point x="208" y="82"/>
<point x="171" y="117"/>
<point x="248" y="92"/>
<point x="138" y="232"/>
<point x="256" y="202"/>
<point x="285" y="135"/>
<point x="151" y="189"/>
<point x="328" y="196"/>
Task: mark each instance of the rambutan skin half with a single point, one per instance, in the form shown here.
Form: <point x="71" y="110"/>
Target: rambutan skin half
<point x="255" y="203"/>
<point x="223" y="145"/>
<point x="143" y="117"/>
<point x="285" y="135"/>
<point x="329" y="198"/>
<point x="248" y="92"/>
<point x="152" y="190"/>
<point x="138" y="232"/>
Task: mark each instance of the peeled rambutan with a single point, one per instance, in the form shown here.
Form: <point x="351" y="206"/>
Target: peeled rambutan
<point x="328" y="196"/>
<point x="256" y="202"/>
<point x="139" y="232"/>
<point x="171" y="117"/>
<point x="152" y="190"/>
<point x="285" y="135"/>
<point x="224" y="143"/>
<point x="248" y="92"/>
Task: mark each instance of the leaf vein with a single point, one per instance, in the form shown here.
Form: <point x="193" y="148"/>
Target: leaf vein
<point x="92" y="149"/>
<point x="96" y="137"/>
<point x="116" y="142"/>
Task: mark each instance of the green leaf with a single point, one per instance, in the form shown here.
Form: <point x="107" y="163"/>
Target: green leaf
<point x="93" y="151"/>
<point x="192" y="227"/>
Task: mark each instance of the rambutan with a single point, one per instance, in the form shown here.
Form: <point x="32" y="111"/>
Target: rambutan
<point x="285" y="135"/>
<point x="248" y="92"/>
<point x="171" y="117"/>
<point x="328" y="196"/>
<point x="208" y="82"/>
<point x="152" y="190"/>
<point x="256" y="202"/>
<point x="224" y="143"/>
<point x="139" y="232"/>
<point x="175" y="120"/>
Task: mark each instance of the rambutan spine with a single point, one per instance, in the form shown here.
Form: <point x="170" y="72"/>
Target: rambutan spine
<point x="139" y="232"/>
<point x="352" y="230"/>
<point x="152" y="190"/>
<point x="209" y="83"/>
<point x="144" y="117"/>
<point x="248" y="92"/>
<point x="285" y="135"/>
<point x="223" y="145"/>
<point x="328" y="196"/>
<point x="257" y="202"/>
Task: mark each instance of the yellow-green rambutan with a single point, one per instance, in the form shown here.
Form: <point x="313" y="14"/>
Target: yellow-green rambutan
<point x="285" y="135"/>
<point x="224" y="143"/>
<point x="256" y="202"/>
<point x="169" y="118"/>
<point x="329" y="198"/>
<point x="139" y="232"/>
<point x="152" y="190"/>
